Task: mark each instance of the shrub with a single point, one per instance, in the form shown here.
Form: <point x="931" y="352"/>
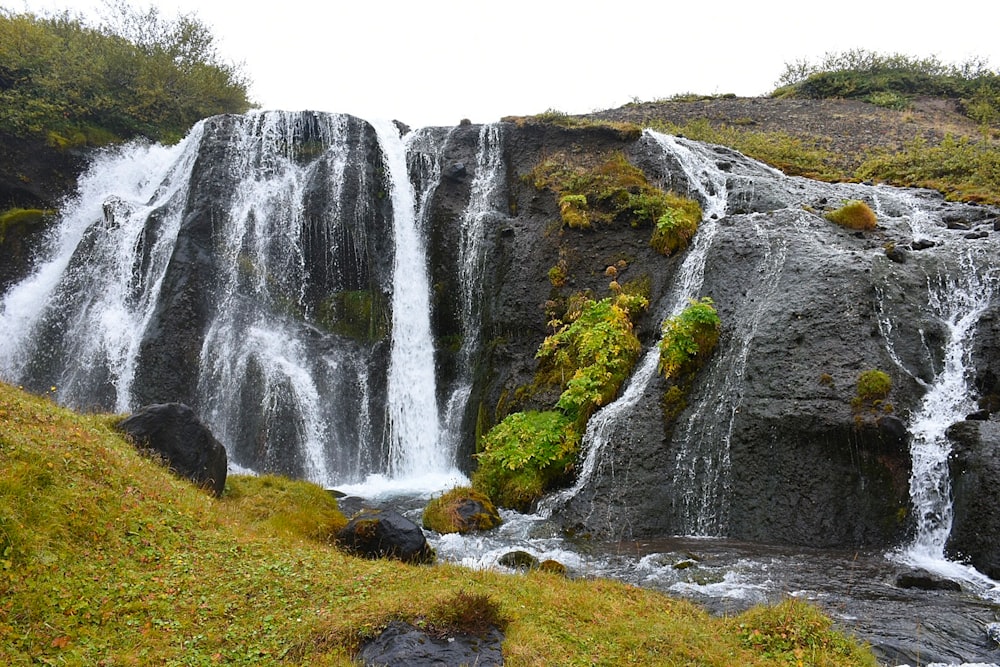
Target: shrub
<point x="460" y="510"/>
<point x="688" y="339"/>
<point x="854" y="215"/>
<point x="675" y="227"/>
<point x="523" y="455"/>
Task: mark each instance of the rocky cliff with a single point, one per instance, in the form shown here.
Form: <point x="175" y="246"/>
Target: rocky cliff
<point x="772" y="443"/>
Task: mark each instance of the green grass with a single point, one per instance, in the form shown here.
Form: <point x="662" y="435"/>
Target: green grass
<point x="108" y="559"/>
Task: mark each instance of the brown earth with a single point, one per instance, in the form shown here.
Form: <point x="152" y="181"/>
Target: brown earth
<point x="848" y="128"/>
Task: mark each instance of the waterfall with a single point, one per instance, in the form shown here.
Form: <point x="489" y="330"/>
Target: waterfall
<point x="414" y="428"/>
<point x="249" y="271"/>
<point x="485" y="204"/>
<point x="74" y="326"/>
<point x="957" y="298"/>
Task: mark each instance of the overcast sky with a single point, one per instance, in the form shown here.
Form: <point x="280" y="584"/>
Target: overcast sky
<point x="435" y="62"/>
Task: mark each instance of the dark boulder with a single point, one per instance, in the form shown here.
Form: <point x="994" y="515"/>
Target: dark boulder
<point x="174" y="432"/>
<point x="404" y="645"/>
<point x="926" y="582"/>
<point x="376" y="533"/>
<point x="519" y="560"/>
<point x="461" y="510"/>
<point x="974" y="465"/>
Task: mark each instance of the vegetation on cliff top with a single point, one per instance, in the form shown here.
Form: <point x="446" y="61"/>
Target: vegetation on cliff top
<point x="106" y="558"/>
<point x="137" y="74"/>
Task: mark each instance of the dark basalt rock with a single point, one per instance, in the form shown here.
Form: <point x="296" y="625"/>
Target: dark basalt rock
<point x="926" y="582"/>
<point x="174" y="432"/>
<point x="403" y="645"/>
<point x="379" y="533"/>
<point x="974" y="465"/>
<point x="519" y="560"/>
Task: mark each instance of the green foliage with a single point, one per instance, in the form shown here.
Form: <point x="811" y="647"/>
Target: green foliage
<point x="442" y="513"/>
<point x="607" y="192"/>
<point x="19" y="218"/>
<point x="688" y="339"/>
<point x="676" y="226"/>
<point x="962" y="169"/>
<point x="593" y="354"/>
<point x="588" y="358"/>
<point x="892" y="80"/>
<point x="139" y="75"/>
<point x="854" y="215"/>
<point x="524" y="454"/>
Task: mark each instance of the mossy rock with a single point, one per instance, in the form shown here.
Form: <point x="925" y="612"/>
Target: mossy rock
<point x="461" y="510"/>
<point x="854" y="215"/>
<point x="552" y="567"/>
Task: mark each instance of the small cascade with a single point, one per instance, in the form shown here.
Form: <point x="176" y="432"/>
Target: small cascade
<point x="414" y="427"/>
<point x="485" y="203"/>
<point x="957" y="298"/>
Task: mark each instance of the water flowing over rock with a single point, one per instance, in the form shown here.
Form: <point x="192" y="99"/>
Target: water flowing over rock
<point x="340" y="302"/>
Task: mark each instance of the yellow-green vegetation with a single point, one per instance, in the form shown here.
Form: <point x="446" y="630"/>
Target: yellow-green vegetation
<point x="611" y="190"/>
<point x="444" y="514"/>
<point x="689" y="338"/>
<point x="854" y="214"/>
<point x="588" y="357"/>
<point x="687" y="341"/>
<point x="891" y="80"/>
<point x="15" y="218"/>
<point x="961" y="168"/>
<point x="872" y="390"/>
<point x="106" y="558"/>
<point x="675" y="228"/>
<point x="625" y="131"/>
<point x="136" y="74"/>
<point x="792" y="155"/>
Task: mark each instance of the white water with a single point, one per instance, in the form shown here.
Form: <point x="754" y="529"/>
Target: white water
<point x="485" y="204"/>
<point x="413" y="422"/>
<point x="103" y="332"/>
<point x="957" y="299"/>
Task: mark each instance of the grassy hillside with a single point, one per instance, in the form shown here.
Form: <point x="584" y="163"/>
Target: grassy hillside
<point x="106" y="558"/>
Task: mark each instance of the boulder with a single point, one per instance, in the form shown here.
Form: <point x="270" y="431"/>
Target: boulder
<point x="926" y="581"/>
<point x="174" y="432"/>
<point x="404" y="645"/>
<point x="519" y="560"/>
<point x="379" y="533"/>
<point x="461" y="510"/>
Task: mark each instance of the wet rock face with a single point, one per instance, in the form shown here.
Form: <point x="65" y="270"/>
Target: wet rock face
<point x="975" y="468"/>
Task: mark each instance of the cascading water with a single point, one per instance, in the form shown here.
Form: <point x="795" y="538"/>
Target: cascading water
<point x="414" y="427"/>
<point x="252" y="252"/>
<point x="76" y="323"/>
<point x="485" y="204"/>
<point x="958" y="299"/>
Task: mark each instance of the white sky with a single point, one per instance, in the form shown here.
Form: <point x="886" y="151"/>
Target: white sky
<point x="435" y="62"/>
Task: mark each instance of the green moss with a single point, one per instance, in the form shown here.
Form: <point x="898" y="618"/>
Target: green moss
<point x="22" y="219"/>
<point x="359" y="314"/>
<point x="873" y="385"/>
<point x="443" y="514"/>
<point x="606" y="191"/>
<point x="854" y="215"/>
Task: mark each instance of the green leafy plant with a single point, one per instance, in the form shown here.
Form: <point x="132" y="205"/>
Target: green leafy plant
<point x="854" y="215"/>
<point x="689" y="338"/>
<point x="676" y="226"/>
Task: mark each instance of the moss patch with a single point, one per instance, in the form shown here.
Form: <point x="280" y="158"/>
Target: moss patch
<point x="460" y="510"/>
<point x="854" y="215"/>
